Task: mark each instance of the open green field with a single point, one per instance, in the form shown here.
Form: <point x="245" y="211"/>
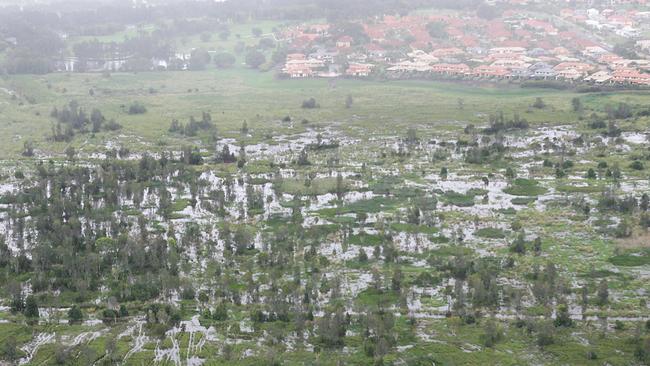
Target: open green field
<point x="237" y="95"/>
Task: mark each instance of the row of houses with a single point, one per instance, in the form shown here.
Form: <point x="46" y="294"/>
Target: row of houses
<point x="614" y="69"/>
<point x="512" y="46"/>
<point x="303" y="66"/>
<point x="621" y="76"/>
<point x="300" y="66"/>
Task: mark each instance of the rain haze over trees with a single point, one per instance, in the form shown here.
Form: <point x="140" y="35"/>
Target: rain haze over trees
<point x="291" y="182"/>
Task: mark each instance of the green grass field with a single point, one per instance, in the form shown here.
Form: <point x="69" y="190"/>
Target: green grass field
<point x="236" y="95"/>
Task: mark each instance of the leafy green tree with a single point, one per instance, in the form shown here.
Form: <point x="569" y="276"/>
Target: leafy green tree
<point x="437" y="30"/>
<point x="576" y="103"/>
<point x="75" y="315"/>
<point x="224" y="60"/>
<point x="563" y="318"/>
<point x="137" y="108"/>
<point x="199" y="59"/>
<point x="545" y="334"/>
<point x="603" y="293"/>
<point x="31" y="307"/>
<point x="255" y="59"/>
<point x="28" y="148"/>
<point x="492" y="334"/>
<point x="220" y="312"/>
<point x="363" y="256"/>
<point x="591" y="174"/>
<point x="266" y="43"/>
<point x="70" y="152"/>
<point x="310" y="103"/>
<point x="539" y="103"/>
<point x="487" y="11"/>
<point x="97" y="119"/>
<point x="224" y="34"/>
<point x="396" y="281"/>
<point x="444" y="172"/>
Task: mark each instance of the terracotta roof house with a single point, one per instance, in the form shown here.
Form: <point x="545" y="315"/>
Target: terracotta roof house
<point x="447" y="52"/>
<point x="508" y="50"/>
<point x="608" y="58"/>
<point x="579" y="66"/>
<point x="490" y="71"/>
<point x="570" y="74"/>
<point x="544" y="73"/>
<point x="620" y="63"/>
<point x="454" y="69"/>
<point x="594" y="51"/>
<point x="375" y="51"/>
<point x="324" y="55"/>
<point x="298" y="71"/>
<point x="411" y="66"/>
<point x="631" y="76"/>
<point x="358" y="69"/>
<point x="509" y="63"/>
<point x="311" y="63"/>
<point x="599" y="77"/>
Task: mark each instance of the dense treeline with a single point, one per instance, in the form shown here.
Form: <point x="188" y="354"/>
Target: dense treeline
<point x="40" y="33"/>
<point x="77" y="238"/>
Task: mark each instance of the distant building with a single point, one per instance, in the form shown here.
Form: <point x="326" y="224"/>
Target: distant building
<point x="299" y="66"/>
<point x="508" y="50"/>
<point x="570" y="74"/>
<point x="600" y="77"/>
<point x="298" y="71"/>
<point x="324" y="55"/>
<point x="487" y="71"/>
<point x="358" y="69"/>
<point x="630" y="76"/>
<point x="344" y="42"/>
<point x="451" y="69"/>
<point x="578" y="66"/>
<point x="544" y="73"/>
